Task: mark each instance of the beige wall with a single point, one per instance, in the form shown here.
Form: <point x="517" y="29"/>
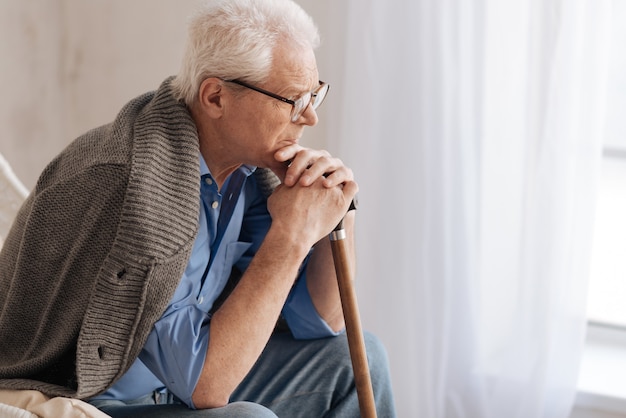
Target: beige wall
<point x="68" y="65"/>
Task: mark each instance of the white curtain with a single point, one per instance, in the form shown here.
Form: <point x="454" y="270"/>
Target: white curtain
<point x="474" y="129"/>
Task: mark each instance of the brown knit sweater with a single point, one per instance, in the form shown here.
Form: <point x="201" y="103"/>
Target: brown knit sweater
<point x="97" y="250"/>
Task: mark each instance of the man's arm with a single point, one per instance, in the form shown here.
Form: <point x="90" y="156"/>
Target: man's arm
<point x="242" y="326"/>
<point x="321" y="276"/>
<point x="240" y="329"/>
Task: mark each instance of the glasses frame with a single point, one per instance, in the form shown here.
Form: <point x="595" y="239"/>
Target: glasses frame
<point x="295" y="115"/>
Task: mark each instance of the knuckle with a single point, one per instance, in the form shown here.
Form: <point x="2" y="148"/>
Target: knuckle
<point x="324" y="153"/>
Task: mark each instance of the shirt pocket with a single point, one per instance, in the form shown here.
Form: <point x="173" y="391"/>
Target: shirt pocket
<point x="226" y="257"/>
<point x="234" y="251"/>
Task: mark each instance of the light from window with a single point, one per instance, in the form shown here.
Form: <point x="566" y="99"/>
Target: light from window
<point x="607" y="292"/>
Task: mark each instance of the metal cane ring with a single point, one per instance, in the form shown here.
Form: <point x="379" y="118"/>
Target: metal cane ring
<point x="338" y="235"/>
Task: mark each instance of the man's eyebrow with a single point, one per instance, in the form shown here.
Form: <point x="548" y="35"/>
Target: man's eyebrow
<point x="307" y="89"/>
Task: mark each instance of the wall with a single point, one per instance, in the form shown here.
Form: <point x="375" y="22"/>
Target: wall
<point x="69" y="65"/>
<point x="32" y="89"/>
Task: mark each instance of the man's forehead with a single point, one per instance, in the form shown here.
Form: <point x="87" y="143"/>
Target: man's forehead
<point x="295" y="68"/>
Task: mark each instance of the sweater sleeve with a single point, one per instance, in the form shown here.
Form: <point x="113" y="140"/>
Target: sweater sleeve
<point x="50" y="261"/>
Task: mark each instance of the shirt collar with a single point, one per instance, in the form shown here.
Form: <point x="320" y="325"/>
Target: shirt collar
<point x="204" y="169"/>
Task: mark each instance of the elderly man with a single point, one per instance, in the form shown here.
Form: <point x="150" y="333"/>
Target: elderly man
<point x="149" y="271"/>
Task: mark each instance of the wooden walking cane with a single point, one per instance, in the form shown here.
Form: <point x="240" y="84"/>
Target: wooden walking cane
<point x="354" y="330"/>
<point x="267" y="182"/>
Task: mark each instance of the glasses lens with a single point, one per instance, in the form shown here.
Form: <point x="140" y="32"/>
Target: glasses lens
<point x="300" y="104"/>
<point x="319" y="95"/>
<point x="314" y="98"/>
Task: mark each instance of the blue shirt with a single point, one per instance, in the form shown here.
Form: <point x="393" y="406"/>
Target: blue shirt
<point x="232" y="226"/>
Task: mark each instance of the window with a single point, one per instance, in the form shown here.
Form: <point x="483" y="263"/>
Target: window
<point x="602" y="378"/>
<point x="607" y="292"/>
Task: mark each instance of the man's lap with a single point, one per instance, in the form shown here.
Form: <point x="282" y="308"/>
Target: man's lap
<point x="291" y="378"/>
<point x="232" y="410"/>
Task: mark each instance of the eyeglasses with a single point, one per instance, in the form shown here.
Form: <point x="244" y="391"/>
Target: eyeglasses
<point x="314" y="97"/>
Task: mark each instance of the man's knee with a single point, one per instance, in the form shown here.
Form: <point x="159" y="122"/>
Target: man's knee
<point x="376" y="355"/>
<point x="247" y="410"/>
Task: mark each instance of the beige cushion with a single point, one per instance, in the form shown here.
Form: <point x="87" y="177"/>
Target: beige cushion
<point x="34" y="404"/>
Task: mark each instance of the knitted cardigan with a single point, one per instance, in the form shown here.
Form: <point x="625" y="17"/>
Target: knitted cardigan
<point x="97" y="250"/>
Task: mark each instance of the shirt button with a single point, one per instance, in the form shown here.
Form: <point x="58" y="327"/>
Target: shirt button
<point x="214" y="205"/>
<point x="200" y="300"/>
<point x="208" y="181"/>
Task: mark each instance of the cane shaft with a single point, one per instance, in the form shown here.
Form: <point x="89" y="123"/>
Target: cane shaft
<point x="354" y="331"/>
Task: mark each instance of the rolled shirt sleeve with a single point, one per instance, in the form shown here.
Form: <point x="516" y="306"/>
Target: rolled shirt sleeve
<point x="301" y="315"/>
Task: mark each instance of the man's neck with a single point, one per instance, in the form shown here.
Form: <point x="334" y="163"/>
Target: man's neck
<point x="215" y="155"/>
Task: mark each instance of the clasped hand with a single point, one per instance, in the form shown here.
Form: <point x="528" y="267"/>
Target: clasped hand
<point x="315" y="193"/>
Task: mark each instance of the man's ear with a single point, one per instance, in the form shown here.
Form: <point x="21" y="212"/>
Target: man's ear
<point x="211" y="97"/>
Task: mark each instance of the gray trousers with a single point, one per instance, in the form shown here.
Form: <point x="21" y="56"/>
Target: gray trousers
<point x="291" y="379"/>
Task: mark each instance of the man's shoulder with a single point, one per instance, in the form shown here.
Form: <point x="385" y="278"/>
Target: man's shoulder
<point x="96" y="150"/>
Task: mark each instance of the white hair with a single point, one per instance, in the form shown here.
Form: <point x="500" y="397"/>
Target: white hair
<point x="235" y="39"/>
